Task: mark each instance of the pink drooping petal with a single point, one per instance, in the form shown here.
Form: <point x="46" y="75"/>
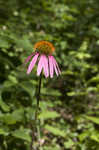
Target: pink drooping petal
<point x="56" y="67"/>
<point x="40" y="66"/>
<point x="45" y="66"/>
<point x="28" y="58"/>
<point x="51" y="67"/>
<point x="32" y="63"/>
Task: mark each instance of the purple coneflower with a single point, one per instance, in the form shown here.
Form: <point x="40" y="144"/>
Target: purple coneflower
<point x="46" y="62"/>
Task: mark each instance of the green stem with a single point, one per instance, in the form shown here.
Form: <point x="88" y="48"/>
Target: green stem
<point x="39" y="137"/>
<point x="36" y="114"/>
<point x="38" y="99"/>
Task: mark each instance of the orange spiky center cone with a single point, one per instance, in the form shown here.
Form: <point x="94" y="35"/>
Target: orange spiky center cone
<point x="44" y="47"/>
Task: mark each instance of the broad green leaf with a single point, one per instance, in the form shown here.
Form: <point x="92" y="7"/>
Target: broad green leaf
<point x="48" y="115"/>
<point x="52" y="92"/>
<point x="55" y="130"/>
<point x="12" y="118"/>
<point x="23" y="134"/>
<point x="93" y="119"/>
<point x="9" y="119"/>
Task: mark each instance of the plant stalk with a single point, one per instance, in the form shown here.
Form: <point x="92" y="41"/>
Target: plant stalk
<point x="36" y="114"/>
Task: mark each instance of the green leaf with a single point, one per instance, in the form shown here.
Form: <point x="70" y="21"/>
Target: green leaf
<point x="84" y="45"/>
<point x="93" y="119"/>
<point x="12" y="79"/>
<point x="23" y="134"/>
<point x="94" y="79"/>
<point x="95" y="138"/>
<point x="48" y="115"/>
<point x="9" y="119"/>
<point x="83" y="135"/>
<point x="52" y="92"/>
<point x="55" y="130"/>
<point x="4" y="106"/>
<point x="95" y="135"/>
<point x="12" y="118"/>
<point x="69" y="143"/>
<point x="71" y="93"/>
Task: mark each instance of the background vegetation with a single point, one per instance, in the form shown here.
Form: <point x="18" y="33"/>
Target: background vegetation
<point x="70" y="103"/>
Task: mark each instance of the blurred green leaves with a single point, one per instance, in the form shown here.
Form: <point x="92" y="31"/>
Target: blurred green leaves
<point x="69" y="104"/>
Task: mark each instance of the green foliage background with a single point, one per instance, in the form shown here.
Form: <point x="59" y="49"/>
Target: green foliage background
<point x="70" y="103"/>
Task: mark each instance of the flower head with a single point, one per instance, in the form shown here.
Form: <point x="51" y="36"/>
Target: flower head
<point x="46" y="62"/>
<point x="44" y="47"/>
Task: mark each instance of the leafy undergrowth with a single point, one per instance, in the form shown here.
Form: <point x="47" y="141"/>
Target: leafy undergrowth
<point x="69" y="105"/>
